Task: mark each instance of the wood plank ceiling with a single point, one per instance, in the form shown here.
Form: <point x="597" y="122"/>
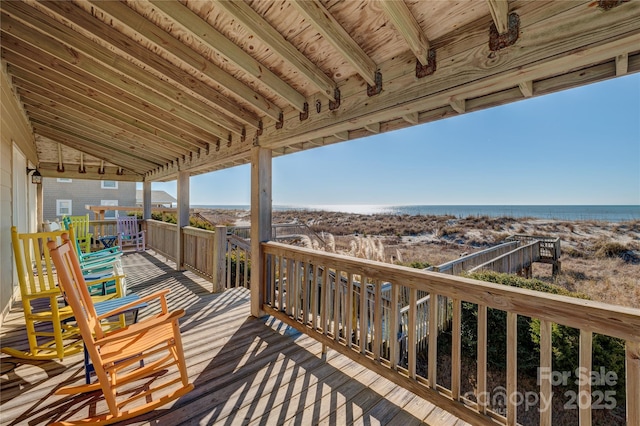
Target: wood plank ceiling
<point x="142" y="89"/>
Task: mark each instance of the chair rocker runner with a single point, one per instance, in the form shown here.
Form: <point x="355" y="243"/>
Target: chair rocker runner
<point x="51" y="333"/>
<point x="116" y="354"/>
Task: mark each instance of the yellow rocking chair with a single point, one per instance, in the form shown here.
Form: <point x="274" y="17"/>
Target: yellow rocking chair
<point x="81" y="230"/>
<point x="51" y="331"/>
<point x="116" y="355"/>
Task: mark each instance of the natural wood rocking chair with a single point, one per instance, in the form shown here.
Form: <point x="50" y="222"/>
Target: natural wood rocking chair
<point x="115" y="355"/>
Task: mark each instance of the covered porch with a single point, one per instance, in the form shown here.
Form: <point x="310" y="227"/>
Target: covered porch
<point x="246" y="370"/>
<point x="154" y="91"/>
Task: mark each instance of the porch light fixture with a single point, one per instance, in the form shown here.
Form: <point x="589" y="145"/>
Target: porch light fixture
<point x="36" y="177"/>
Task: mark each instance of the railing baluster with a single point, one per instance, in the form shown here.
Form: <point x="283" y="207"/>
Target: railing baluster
<point x="363" y="314"/>
<point x="584" y="394"/>
<point x="295" y="293"/>
<point x="411" y="331"/>
<point x="281" y="283"/>
<point x="350" y="310"/>
<point x="512" y="367"/>
<point x="336" y="306"/>
<point x="272" y="289"/>
<point x="456" y="349"/>
<point x="545" y="373"/>
<point x="314" y="297"/>
<point x="377" y="320"/>
<point x="394" y="317"/>
<point x="325" y="301"/>
<point x="433" y="340"/>
<point x="632" y="363"/>
<point x="246" y="269"/>
<point x="229" y="249"/>
<point x="482" y="360"/>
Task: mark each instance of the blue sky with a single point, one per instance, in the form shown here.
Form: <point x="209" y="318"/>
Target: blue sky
<point x="579" y="146"/>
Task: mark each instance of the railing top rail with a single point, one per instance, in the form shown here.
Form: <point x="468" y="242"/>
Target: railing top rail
<point x="192" y="230"/>
<point x="598" y="317"/>
<point x="154" y="222"/>
<point x="466" y="258"/>
<point x="235" y="240"/>
<point x="530" y="237"/>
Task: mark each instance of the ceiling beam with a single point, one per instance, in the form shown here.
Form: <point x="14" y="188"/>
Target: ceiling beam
<point x="539" y="56"/>
<point x="63" y="90"/>
<point x="75" y="104"/>
<point x="50" y="170"/>
<point x="102" y="136"/>
<point x="323" y="22"/>
<point x="33" y="101"/>
<point x="622" y="64"/>
<point x="199" y="64"/>
<point x="500" y="13"/>
<point x="408" y="27"/>
<point x="78" y="67"/>
<point x="116" y="157"/>
<point x="225" y="47"/>
<point x="268" y="35"/>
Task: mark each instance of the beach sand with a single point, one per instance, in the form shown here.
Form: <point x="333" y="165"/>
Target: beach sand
<point x="600" y="259"/>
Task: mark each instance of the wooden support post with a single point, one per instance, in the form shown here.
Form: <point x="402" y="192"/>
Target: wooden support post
<point x="260" y="223"/>
<point x="183" y="216"/>
<point x="218" y="256"/>
<point x="146" y="200"/>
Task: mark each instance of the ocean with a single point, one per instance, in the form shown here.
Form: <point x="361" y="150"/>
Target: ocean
<point x="561" y="212"/>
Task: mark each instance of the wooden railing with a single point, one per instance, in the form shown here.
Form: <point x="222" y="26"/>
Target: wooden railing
<point x="465" y="263"/>
<point x="514" y="261"/>
<point x="222" y="259"/>
<point x="279" y="230"/>
<point x="549" y="250"/>
<point x="298" y="291"/>
<point x="238" y="262"/>
<point x="162" y="237"/>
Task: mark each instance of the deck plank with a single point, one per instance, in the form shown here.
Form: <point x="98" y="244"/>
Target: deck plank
<point x="250" y="371"/>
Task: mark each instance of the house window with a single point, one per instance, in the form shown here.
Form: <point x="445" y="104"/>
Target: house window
<point x="109" y="184"/>
<point x="110" y="214"/>
<point x="63" y="207"/>
<point x="65" y="180"/>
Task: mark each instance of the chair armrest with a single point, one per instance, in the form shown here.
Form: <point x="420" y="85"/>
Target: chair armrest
<point x="157" y="295"/>
<point x="135" y="329"/>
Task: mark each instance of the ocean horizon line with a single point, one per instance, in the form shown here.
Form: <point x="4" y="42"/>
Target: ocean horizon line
<point x="604" y="212"/>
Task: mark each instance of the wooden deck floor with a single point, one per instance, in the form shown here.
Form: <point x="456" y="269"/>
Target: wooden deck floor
<point x="245" y="370"/>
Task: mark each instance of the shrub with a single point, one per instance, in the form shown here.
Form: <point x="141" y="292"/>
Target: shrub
<point x="604" y="248"/>
<point x="608" y="352"/>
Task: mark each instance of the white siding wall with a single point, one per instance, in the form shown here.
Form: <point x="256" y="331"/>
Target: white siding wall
<point x="15" y="133"/>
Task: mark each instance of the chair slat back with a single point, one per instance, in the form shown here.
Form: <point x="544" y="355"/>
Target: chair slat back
<point x="80" y="225"/>
<point x="127" y="225"/>
<point x="74" y="288"/>
<point x="33" y="260"/>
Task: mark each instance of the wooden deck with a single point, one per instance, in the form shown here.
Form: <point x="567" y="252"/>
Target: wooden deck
<point x="245" y="370"/>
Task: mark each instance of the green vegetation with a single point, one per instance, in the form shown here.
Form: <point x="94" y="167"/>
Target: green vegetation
<point x="608" y="352"/>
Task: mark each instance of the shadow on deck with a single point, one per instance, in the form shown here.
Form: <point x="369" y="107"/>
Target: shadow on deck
<point x="245" y="370"/>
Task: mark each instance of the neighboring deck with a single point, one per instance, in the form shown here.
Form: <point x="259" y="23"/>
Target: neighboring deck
<point x="245" y="370"/>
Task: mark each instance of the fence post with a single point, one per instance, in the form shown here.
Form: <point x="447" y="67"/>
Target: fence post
<point x="219" y="254"/>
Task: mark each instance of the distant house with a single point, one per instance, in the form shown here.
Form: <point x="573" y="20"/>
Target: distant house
<point x="158" y="199"/>
<point x="64" y="196"/>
